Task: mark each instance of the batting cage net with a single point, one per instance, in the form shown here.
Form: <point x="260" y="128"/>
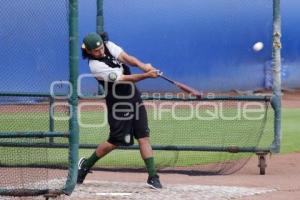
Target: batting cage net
<point x="34" y="64"/>
<point x="196" y="43"/>
<point x="210" y="136"/>
<point x="27" y="165"/>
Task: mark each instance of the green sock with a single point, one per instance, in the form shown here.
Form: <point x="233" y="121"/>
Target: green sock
<point x="91" y="160"/>
<point x="150" y="166"/>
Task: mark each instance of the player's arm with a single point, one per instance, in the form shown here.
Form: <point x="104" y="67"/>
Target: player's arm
<point x="103" y="72"/>
<point x="133" y="61"/>
<point x="139" y="77"/>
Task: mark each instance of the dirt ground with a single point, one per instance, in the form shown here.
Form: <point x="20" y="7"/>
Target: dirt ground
<point x="282" y="176"/>
<point x="291" y="99"/>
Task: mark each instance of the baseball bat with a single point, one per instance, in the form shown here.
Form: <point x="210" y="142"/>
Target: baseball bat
<point x="183" y="87"/>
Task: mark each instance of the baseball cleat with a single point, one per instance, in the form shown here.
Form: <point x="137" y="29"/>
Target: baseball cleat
<point x="153" y="182"/>
<point x="82" y="171"/>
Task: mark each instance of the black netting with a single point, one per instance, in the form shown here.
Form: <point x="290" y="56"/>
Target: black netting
<point x="27" y="163"/>
<point x="199" y="124"/>
<point x="34" y="40"/>
<point x="34" y="54"/>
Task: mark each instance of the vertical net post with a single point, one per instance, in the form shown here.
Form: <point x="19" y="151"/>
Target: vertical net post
<point x="100" y="29"/>
<point x="51" y="119"/>
<point x="276" y="55"/>
<point x="73" y="101"/>
<point x="100" y="18"/>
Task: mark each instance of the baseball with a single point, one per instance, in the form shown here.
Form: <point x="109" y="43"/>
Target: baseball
<point x="258" y="46"/>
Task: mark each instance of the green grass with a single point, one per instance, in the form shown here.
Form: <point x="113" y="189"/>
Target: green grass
<point x="166" y="131"/>
<point x="290" y="130"/>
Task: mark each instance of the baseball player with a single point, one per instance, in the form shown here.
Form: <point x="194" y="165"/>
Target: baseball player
<point x="127" y="115"/>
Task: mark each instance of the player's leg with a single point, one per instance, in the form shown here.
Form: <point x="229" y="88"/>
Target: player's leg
<point x="120" y="134"/>
<point x="100" y="152"/>
<point x="147" y="155"/>
<point x="84" y="165"/>
<point x="145" y="147"/>
<point x="141" y="133"/>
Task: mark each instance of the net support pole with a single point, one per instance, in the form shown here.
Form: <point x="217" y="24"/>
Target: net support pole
<point x="100" y="18"/>
<point x="276" y="56"/>
<point x="73" y="101"/>
<point x="100" y="29"/>
<point x="51" y="119"/>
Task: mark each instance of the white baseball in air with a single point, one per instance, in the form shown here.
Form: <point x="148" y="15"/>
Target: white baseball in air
<point x="258" y="46"/>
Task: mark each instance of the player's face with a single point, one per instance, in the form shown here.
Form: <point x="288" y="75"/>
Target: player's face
<point x="98" y="52"/>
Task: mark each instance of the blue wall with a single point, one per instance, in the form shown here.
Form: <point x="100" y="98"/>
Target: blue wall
<point x="33" y="45"/>
<point x="206" y="44"/>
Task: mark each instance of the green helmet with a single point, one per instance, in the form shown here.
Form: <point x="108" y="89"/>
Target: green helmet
<point x="92" y="41"/>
